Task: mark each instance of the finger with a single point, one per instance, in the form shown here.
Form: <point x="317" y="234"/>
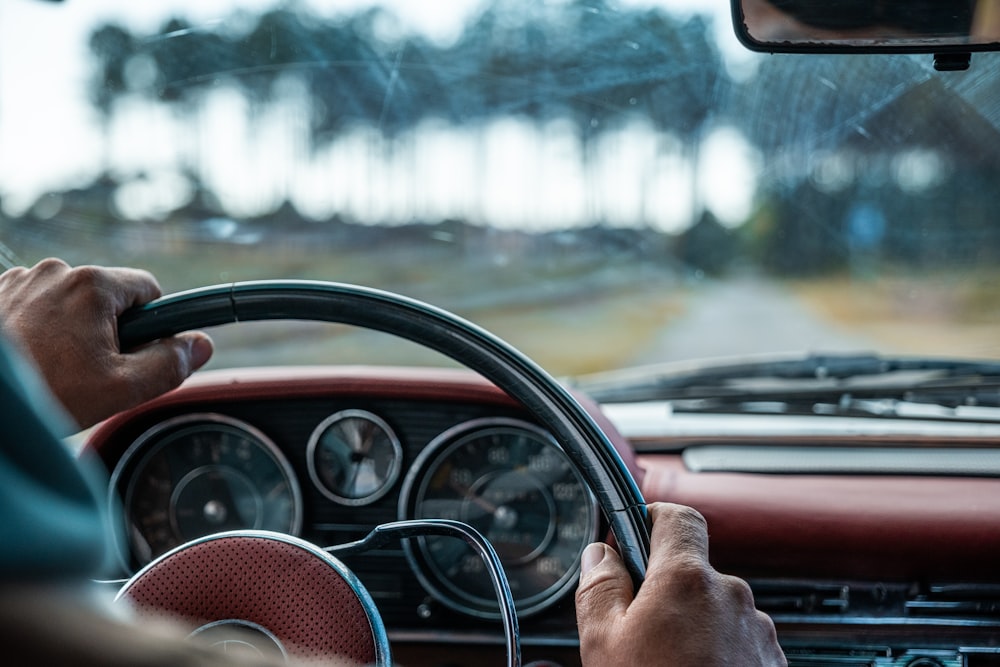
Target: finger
<point x="605" y="590"/>
<point x="680" y="534"/>
<point x="12" y="274"/>
<point x="130" y="287"/>
<point x="47" y="269"/>
<point x="49" y="265"/>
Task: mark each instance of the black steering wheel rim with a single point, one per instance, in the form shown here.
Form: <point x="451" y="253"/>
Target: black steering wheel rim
<point x="555" y="408"/>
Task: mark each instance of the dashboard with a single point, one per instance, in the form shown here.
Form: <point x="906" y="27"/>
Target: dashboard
<point x="887" y="565"/>
<point x="327" y="454"/>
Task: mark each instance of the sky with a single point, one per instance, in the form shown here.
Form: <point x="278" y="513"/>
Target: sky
<point x="48" y="138"/>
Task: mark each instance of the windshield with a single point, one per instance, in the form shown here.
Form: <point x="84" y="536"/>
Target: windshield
<point x="603" y="184"/>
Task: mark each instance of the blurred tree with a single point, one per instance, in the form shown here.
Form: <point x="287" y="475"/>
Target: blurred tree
<point x="707" y="246"/>
<point x="113" y="46"/>
<point x="592" y="63"/>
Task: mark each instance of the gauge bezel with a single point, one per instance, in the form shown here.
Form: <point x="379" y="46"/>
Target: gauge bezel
<point x="141" y="450"/>
<point x="415" y="551"/>
<point x="394" y="470"/>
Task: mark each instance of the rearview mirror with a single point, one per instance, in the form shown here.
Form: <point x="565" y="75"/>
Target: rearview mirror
<point x="847" y="26"/>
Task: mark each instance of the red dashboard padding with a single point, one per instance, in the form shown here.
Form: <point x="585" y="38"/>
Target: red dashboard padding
<point x="288" y="384"/>
<point x="930" y="529"/>
<point x="296" y="595"/>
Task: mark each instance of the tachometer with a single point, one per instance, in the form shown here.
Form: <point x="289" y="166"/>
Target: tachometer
<point x="512" y="482"/>
<point x="202" y="474"/>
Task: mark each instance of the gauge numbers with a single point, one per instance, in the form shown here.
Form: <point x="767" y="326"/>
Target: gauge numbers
<point x="354" y="457"/>
<point x="512" y="482"/>
<point x="202" y="474"/>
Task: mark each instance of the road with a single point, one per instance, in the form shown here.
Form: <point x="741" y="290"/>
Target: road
<point x="748" y="316"/>
<point x="720" y="319"/>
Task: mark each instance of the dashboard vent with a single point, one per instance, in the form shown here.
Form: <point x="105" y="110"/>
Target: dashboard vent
<point x="793" y="597"/>
<point x="962" y="602"/>
<point x="863" y="656"/>
<point x="968" y="601"/>
<point x="837" y="657"/>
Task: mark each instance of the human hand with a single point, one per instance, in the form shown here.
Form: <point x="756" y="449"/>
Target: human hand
<point x="66" y="320"/>
<point x="47" y="624"/>
<point x="686" y="613"/>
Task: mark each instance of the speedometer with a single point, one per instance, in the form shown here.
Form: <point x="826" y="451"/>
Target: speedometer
<point x="202" y="474"/>
<point x="512" y="482"/>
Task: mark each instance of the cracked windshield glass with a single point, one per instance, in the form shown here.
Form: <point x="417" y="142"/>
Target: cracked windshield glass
<point x="603" y="184"/>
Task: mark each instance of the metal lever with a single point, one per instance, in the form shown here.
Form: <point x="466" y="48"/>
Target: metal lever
<point x="448" y="528"/>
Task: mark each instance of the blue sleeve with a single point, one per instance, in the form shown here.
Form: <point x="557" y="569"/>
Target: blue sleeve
<point x="53" y="520"/>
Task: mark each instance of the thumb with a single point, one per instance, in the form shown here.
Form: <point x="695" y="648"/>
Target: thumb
<point x="605" y="590"/>
<point x="164" y="364"/>
<point x="133" y="378"/>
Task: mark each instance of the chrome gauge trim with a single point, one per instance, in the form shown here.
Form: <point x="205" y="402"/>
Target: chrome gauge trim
<point x="199" y="635"/>
<point x="148" y="444"/>
<point x="444" y="588"/>
<point x="391" y="476"/>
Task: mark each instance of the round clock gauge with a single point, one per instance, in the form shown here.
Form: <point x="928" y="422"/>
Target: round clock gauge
<point x="354" y="458"/>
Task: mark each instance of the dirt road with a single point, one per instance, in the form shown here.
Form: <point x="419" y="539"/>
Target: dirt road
<point x="748" y="316"/>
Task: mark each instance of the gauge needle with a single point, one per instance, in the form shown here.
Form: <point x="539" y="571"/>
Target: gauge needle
<point x="363" y="440"/>
<point x="361" y="445"/>
<point x="466" y="492"/>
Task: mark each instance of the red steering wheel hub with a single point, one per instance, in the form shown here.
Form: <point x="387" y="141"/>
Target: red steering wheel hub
<point x="265" y="593"/>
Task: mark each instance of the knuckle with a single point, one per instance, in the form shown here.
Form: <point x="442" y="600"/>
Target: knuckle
<point x="769" y="637"/>
<point x="767" y="627"/>
<point x="739" y="591"/>
<point x="83" y="284"/>
<point x="50" y="264"/>
<point x="677" y="515"/>
<point x="689" y="516"/>
<point x="46" y="269"/>
<point x="13" y="275"/>
<point x="14" y="272"/>
<point x="87" y="277"/>
<point x="692" y="576"/>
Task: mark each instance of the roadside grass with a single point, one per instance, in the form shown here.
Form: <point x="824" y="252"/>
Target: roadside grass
<point x="574" y="337"/>
<point x="940" y="313"/>
<point x="592" y="334"/>
<point x="571" y="317"/>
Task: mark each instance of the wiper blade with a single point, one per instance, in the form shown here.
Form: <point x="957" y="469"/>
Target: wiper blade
<point x="815" y="376"/>
<point x="8" y="258"/>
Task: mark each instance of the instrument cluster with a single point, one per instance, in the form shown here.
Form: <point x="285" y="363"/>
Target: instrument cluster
<point x="351" y="467"/>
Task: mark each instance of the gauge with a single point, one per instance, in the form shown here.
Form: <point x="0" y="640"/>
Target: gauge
<point x="512" y="482"/>
<point x="354" y="457"/>
<point x="202" y="474"/>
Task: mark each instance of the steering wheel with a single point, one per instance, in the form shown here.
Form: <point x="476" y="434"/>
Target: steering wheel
<point x="587" y="447"/>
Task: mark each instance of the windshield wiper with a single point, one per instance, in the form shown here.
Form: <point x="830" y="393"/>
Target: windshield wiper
<point x="818" y="383"/>
<point x="8" y="258"/>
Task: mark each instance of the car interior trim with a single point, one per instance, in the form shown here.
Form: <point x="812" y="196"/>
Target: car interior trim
<point x="940" y="462"/>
